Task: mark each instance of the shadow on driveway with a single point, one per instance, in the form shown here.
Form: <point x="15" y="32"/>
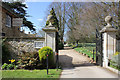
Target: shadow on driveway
<point x="66" y="62"/>
<point x="67" y="48"/>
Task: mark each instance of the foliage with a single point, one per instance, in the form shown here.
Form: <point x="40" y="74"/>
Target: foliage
<point x="114" y="62"/>
<point x="55" y="23"/>
<point x="28" y="24"/>
<point x="86" y="49"/>
<point x="4" y="66"/>
<point x="83" y="18"/>
<point x="43" y="52"/>
<point x="60" y="10"/>
<point x="118" y="35"/>
<point x="83" y="45"/>
<point x="116" y="57"/>
<point x="10" y="66"/>
<point x="86" y="45"/>
<point x="73" y="46"/>
<point x="117" y="53"/>
<point x="28" y="60"/>
<point x="40" y="33"/>
<point x="61" y="45"/>
<point x="14" y="74"/>
<point x="20" y="10"/>
<point x="114" y="65"/>
<point x="70" y="45"/>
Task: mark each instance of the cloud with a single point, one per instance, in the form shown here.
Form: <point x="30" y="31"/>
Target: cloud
<point x="40" y="19"/>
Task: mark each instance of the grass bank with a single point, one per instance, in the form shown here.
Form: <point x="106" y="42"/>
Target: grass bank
<point x="86" y="50"/>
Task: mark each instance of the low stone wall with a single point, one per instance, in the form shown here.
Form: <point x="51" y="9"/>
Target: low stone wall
<point x="22" y="45"/>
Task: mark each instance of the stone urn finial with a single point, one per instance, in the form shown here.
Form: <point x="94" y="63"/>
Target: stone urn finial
<point x="50" y="18"/>
<point x="108" y="20"/>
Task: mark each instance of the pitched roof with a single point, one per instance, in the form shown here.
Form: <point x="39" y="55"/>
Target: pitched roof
<point x="5" y="6"/>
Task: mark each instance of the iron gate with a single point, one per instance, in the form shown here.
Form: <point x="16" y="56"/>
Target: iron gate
<point x="99" y="48"/>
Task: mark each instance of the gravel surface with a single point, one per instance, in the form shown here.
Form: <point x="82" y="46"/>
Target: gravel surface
<point x="75" y="65"/>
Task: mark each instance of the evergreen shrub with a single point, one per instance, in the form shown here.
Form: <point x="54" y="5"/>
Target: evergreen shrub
<point x="43" y="52"/>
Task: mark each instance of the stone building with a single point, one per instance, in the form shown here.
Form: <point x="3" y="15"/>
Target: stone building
<point x="11" y="23"/>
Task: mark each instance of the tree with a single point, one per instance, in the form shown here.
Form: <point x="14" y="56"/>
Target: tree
<point x="41" y="33"/>
<point x="55" y="23"/>
<point x="89" y="17"/>
<point x="81" y="20"/>
<point x="60" y="10"/>
<point x="19" y="9"/>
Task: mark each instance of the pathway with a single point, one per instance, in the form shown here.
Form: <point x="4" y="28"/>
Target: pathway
<point x="75" y="65"/>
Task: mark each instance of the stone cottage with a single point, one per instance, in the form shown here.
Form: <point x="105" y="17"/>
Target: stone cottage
<point x="11" y="23"/>
<point x="17" y="41"/>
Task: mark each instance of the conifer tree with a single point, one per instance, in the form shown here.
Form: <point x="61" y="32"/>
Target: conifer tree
<point x="19" y="10"/>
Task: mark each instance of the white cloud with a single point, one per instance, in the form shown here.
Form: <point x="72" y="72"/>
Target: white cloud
<point x="40" y="19"/>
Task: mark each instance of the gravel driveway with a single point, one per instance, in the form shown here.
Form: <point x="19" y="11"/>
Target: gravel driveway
<point x="75" y="65"/>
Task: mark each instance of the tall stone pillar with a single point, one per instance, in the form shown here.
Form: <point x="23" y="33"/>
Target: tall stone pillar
<point x="109" y="41"/>
<point x="50" y="37"/>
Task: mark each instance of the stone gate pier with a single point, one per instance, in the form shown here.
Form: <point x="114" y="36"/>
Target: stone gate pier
<point x="109" y="41"/>
<point x="50" y="38"/>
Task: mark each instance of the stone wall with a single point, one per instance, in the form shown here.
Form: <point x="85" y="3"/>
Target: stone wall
<point x="22" y="45"/>
<point x="7" y="30"/>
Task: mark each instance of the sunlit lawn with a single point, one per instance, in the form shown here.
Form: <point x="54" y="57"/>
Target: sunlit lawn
<point x="53" y="73"/>
<point x="86" y="50"/>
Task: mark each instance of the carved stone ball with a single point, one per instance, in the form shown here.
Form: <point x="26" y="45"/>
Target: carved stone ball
<point x="108" y="19"/>
<point x="50" y="17"/>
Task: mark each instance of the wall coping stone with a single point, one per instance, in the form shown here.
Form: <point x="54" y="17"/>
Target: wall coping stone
<point x="24" y="38"/>
<point x="50" y="28"/>
<point x="108" y="29"/>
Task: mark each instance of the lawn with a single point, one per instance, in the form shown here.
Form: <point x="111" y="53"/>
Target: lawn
<point x="53" y="73"/>
<point x="86" y="50"/>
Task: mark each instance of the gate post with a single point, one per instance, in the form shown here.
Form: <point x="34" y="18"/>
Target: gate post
<point x="50" y="35"/>
<point x="50" y="38"/>
<point x="109" y="41"/>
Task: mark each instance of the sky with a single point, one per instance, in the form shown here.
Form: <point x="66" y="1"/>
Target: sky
<point x="36" y="10"/>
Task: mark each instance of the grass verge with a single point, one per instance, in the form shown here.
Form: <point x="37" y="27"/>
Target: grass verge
<point x="53" y="73"/>
<point x="86" y="50"/>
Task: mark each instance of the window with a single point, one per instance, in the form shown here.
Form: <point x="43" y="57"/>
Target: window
<point x="18" y="28"/>
<point x="8" y="21"/>
<point x="38" y="44"/>
<point x="3" y="34"/>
